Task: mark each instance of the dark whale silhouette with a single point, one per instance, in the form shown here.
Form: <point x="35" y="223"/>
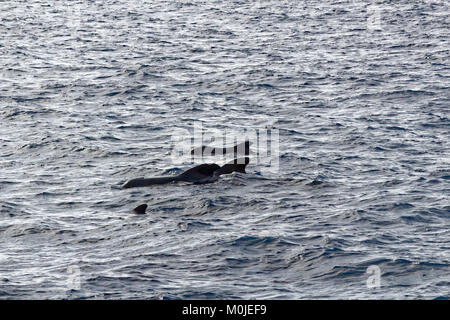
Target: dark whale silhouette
<point x="204" y="173"/>
<point x="140" y="209"/>
<point x="242" y="148"/>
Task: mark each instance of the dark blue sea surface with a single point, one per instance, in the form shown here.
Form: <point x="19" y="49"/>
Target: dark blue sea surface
<point x="92" y="92"/>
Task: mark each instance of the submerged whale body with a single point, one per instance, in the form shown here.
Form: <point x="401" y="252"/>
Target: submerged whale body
<point x="204" y="173"/>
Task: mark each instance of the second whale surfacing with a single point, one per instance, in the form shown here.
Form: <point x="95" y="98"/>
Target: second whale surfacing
<point x="204" y="173"/>
<point x="242" y="148"/>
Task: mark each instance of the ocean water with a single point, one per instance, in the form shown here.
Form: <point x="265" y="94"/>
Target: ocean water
<point x="92" y="93"/>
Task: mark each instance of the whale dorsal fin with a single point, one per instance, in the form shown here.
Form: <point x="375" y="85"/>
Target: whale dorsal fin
<point x="140" y="209"/>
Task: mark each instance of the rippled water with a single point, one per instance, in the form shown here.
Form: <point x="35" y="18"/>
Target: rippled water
<point x="92" y="92"/>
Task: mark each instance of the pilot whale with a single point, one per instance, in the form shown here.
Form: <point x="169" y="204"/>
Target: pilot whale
<point x="204" y="173"/>
<point x="140" y="209"/>
<point x="242" y="148"/>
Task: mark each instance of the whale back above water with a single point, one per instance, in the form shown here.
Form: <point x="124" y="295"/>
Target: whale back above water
<point x="242" y="148"/>
<point x="237" y="165"/>
<point x="199" y="172"/>
<point x="207" y="172"/>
